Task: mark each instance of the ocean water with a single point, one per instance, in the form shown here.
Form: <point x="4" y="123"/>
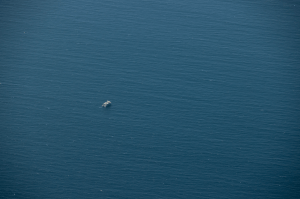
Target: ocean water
<point x="205" y="99"/>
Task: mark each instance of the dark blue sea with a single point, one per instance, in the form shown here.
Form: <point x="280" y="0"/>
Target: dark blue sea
<point x="205" y="99"/>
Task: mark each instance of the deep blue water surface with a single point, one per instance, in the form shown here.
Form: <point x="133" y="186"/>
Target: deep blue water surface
<point x="205" y="99"/>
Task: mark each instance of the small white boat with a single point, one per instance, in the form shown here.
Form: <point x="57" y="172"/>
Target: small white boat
<point x="106" y="104"/>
